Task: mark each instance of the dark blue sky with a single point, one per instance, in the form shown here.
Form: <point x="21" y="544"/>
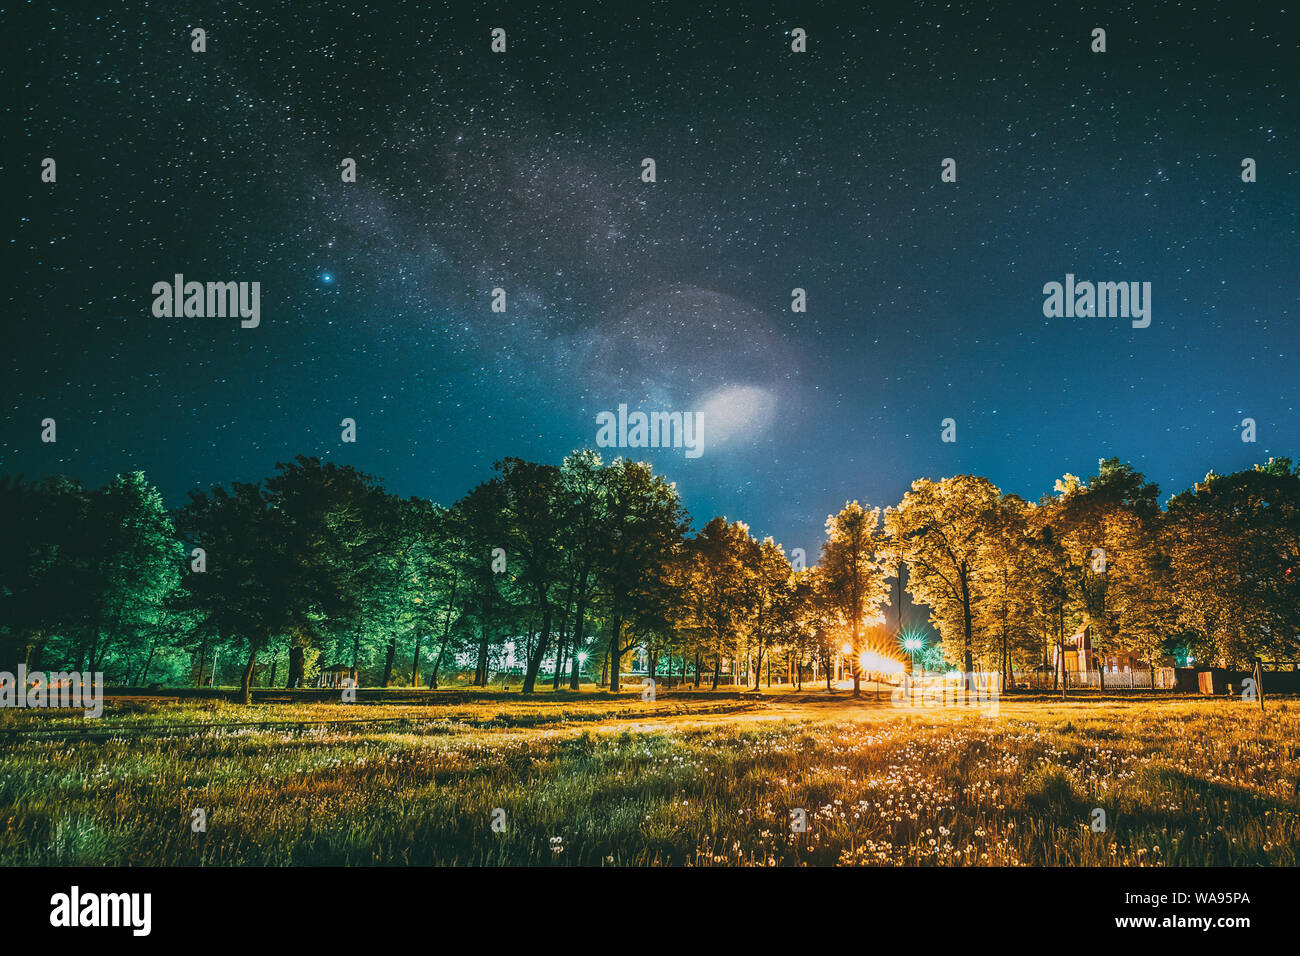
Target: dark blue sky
<point x="775" y="170"/>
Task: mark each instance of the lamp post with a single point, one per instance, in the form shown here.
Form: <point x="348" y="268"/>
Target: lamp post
<point x="913" y="644"/>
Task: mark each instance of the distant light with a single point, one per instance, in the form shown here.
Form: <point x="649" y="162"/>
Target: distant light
<point x="582" y="657"/>
<point x="878" y="663"/>
<point x="327" y="278"/>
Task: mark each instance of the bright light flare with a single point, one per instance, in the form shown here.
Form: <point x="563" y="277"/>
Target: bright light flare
<point x="879" y="664"/>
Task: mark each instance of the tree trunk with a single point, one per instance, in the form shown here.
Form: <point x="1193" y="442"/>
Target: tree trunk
<point x="535" y="658"/>
<point x="86" y="649"/>
<point x="481" y="672"/>
<point x="615" y="652"/>
<point x="196" y="670"/>
<point x="575" y="664"/>
<point x="575" y="668"/>
<point x="246" y="684"/>
<point x="968" y="629"/>
<point x="415" y="661"/>
<point x="296" y="667"/>
<point x="559" y="662"/>
<point x="104" y="647"/>
<point x="437" y="664"/>
<point x="388" y="661"/>
<point x="1060" y="645"/>
<point x="144" y="674"/>
<point x="579" y="636"/>
<point x="1004" y="655"/>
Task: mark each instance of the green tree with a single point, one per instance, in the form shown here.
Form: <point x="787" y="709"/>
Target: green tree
<point x="1006" y="562"/>
<point x="1107" y="527"/>
<point x="853" y="574"/>
<point x="771" y="581"/>
<point x="1234" y="546"/>
<point x="584" y="485"/>
<point x="134" y="566"/>
<point x="241" y="595"/>
<point x="644" y="525"/>
<point x="534" y="525"/>
<point x="939" y="529"/>
<point x="44" y="568"/>
<point x="331" y="522"/>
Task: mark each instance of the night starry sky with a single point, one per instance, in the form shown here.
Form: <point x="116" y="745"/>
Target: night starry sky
<point x="775" y="170"/>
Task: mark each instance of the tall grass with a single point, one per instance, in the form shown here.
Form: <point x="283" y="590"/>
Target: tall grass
<point x="617" y="782"/>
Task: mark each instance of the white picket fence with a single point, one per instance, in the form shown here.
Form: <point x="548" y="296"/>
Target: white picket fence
<point x="1115" y="680"/>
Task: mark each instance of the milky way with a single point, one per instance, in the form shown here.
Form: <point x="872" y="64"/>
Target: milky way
<point x="775" y="171"/>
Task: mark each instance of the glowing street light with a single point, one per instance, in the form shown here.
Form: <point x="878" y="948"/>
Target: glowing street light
<point x="913" y="643"/>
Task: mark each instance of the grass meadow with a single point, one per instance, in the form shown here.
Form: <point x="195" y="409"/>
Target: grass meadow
<point x="689" y="779"/>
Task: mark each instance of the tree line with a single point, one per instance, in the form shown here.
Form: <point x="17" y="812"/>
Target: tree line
<point x="572" y="567"/>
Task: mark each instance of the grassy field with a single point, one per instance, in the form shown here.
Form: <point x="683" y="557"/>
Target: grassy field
<point x="689" y="779"/>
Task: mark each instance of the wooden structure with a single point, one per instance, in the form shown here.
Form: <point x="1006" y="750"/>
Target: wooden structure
<point x="1081" y="657"/>
<point x="337" y="676"/>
